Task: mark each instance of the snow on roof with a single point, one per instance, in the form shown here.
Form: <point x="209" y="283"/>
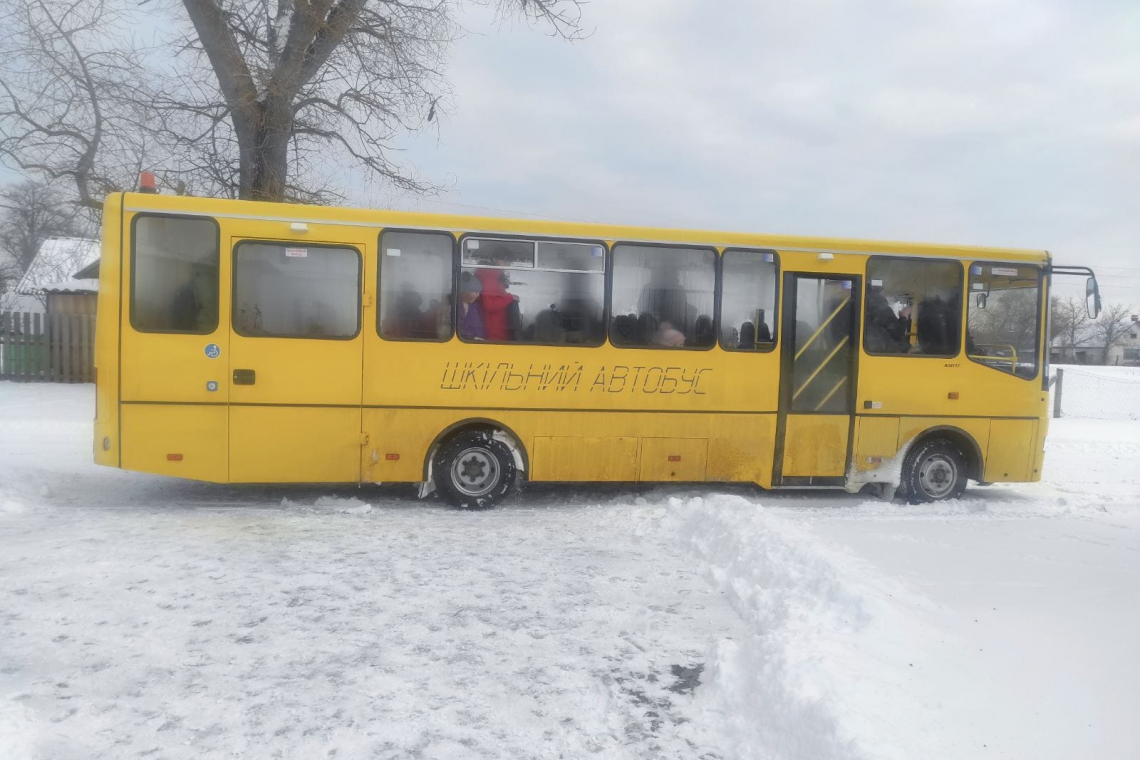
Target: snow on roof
<point x="74" y="285"/>
<point x="57" y="260"/>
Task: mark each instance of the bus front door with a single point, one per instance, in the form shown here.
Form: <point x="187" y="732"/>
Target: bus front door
<point x="296" y="356"/>
<point x="817" y="379"/>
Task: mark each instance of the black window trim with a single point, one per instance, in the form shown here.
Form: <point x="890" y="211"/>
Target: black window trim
<point x="1039" y="348"/>
<point x="961" y="314"/>
<point x="451" y="296"/>
<point x="607" y="255"/>
<point x="131" y="295"/>
<point x="306" y="244"/>
<point x="716" y="295"/>
<point x="768" y="346"/>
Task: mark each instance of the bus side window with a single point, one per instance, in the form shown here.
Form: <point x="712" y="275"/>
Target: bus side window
<point x="174" y="274"/>
<point x="1003" y="319"/>
<point x="748" y="300"/>
<point x="912" y="307"/>
<point x="547" y="292"/>
<point x="291" y="290"/>
<point x="415" y="285"/>
<point x="663" y="297"/>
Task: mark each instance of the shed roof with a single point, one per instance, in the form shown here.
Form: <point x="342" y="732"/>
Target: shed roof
<point x="74" y="285"/>
<point x="58" y="259"/>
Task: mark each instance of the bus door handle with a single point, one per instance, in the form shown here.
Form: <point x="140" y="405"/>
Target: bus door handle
<point x="244" y="377"/>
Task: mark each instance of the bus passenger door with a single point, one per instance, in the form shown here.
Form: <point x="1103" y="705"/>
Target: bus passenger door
<point x="295" y="362"/>
<point x="817" y="379"/>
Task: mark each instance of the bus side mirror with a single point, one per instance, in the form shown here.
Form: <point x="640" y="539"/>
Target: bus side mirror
<point x="980" y="299"/>
<point x="1092" y="298"/>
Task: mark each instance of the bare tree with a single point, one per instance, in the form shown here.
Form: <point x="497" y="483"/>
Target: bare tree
<point x="305" y="84"/>
<point x="1111" y="326"/>
<point x="67" y="104"/>
<point x="1069" y="324"/>
<point x="30" y="213"/>
<point x="259" y="99"/>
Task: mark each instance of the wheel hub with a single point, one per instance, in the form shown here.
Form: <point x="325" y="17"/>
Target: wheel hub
<point x="937" y="476"/>
<point x="475" y="471"/>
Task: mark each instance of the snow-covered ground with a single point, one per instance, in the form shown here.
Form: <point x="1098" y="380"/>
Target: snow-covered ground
<point x="144" y="617"/>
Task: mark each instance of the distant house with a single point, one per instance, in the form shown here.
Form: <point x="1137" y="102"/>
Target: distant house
<point x="1127" y="352"/>
<point x="63" y="278"/>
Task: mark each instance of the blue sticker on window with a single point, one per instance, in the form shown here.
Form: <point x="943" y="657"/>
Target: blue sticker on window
<point x="976" y="269"/>
<point x="846" y="284"/>
<point x="213" y="350"/>
<point x="211" y="385"/>
<point x="769" y="258"/>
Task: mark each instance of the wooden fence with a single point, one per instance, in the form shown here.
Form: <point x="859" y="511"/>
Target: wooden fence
<point x="47" y="348"/>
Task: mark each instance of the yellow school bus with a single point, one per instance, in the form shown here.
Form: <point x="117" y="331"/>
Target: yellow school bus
<point x="245" y="342"/>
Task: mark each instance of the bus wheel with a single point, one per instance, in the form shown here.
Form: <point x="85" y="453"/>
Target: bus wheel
<point x="934" y="470"/>
<point x="475" y="471"/>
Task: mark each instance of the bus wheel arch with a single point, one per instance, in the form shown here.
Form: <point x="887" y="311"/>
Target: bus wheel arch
<point x="495" y="433"/>
<point x="939" y="452"/>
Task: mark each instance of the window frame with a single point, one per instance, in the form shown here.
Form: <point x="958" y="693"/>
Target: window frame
<point x="452" y="332"/>
<point x="962" y="267"/>
<point x="716" y="294"/>
<point x="768" y="347"/>
<point x="133" y="256"/>
<point x="605" y="274"/>
<point x="1041" y="309"/>
<point x="297" y="243"/>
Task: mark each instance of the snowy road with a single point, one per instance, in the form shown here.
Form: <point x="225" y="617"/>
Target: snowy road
<point x="142" y="617"/>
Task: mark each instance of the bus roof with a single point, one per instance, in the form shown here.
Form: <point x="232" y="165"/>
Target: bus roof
<point x="378" y="218"/>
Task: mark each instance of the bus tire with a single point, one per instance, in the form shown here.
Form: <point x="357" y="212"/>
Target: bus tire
<point x="934" y="470"/>
<point x="473" y="470"/>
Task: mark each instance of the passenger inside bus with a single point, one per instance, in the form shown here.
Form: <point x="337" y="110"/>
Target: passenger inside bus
<point x="195" y="305"/>
<point x="500" y="309"/>
<point x="749" y="336"/>
<point x="471" y="323"/>
<point x="886" y="331"/>
<point x="748" y="295"/>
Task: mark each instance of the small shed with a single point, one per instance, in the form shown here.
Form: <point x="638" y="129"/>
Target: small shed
<point x="74" y="296"/>
<point x="67" y="267"/>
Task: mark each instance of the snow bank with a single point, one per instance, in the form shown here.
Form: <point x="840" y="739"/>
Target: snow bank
<point x="11" y="506"/>
<point x="334" y="505"/>
<point x="838" y="654"/>
<point x="17" y="732"/>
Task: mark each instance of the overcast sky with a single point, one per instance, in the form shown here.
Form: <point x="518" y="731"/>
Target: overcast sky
<point x="992" y="122"/>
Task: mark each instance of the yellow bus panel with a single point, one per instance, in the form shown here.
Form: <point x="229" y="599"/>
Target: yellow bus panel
<point x="1009" y="456"/>
<point x="815" y="445"/>
<point x="288" y="444"/>
<point x="590" y="458"/>
<point x="187" y="441"/>
<point x="673" y="459"/>
<point x="876" y="441"/>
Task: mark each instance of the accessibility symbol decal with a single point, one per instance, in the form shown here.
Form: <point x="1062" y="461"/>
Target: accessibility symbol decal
<point x="213" y="350"/>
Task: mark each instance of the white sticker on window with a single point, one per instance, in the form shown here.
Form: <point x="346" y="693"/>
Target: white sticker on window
<point x="296" y="253"/>
<point x="876" y="283"/>
<point x="393" y="251"/>
<point x="1003" y="271"/>
<point x="472" y="245"/>
<point x="978" y="286"/>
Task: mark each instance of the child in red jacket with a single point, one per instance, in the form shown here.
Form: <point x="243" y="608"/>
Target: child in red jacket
<point x="495" y="303"/>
